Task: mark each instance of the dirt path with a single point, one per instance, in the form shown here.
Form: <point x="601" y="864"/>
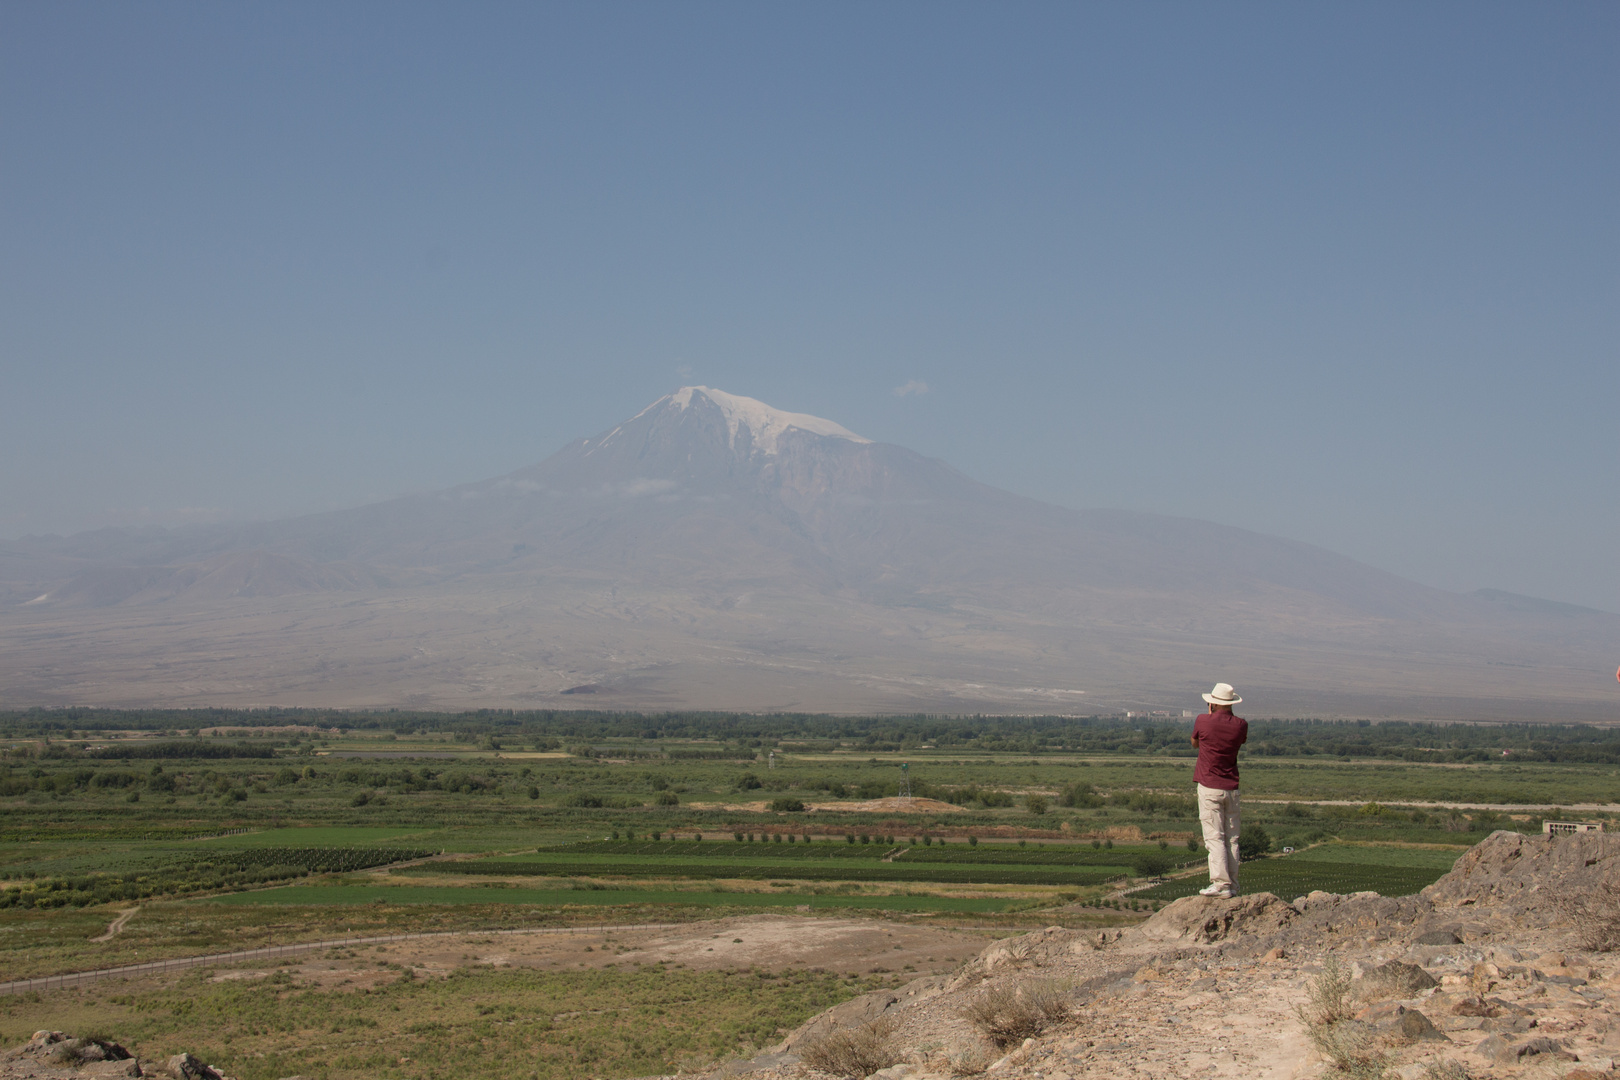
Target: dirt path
<point x="117" y="924"/>
<point x="1593" y="808"/>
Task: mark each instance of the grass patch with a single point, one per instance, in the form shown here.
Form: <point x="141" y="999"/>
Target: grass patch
<point x="477" y="1023"/>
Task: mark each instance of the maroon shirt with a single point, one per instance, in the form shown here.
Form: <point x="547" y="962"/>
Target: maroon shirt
<point x="1219" y="736"/>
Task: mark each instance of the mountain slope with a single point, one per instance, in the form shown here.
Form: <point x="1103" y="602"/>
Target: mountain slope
<point x="712" y="550"/>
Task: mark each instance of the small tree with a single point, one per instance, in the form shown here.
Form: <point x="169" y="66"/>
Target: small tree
<point x="1035" y="804"/>
<point x="1254" y="843"/>
<point x="973" y="841"/>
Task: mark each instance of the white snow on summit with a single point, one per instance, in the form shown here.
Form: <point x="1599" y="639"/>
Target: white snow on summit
<point x="764" y="423"/>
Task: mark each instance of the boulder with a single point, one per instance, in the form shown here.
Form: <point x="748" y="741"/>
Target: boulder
<point x="1204" y="920"/>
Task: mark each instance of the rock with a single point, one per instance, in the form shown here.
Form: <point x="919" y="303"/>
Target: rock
<point x="1415" y="1027"/>
<point x="1396" y="979"/>
<point x="1437" y="937"/>
<point x="186" y="1067"/>
<point x="1273" y="955"/>
<point x="1475" y="1006"/>
<point x="1418" y="1070"/>
<point x="897" y="1072"/>
<point x="1507" y="1025"/>
<point x="1499" y="1050"/>
<point x="1400" y="1023"/>
<point x="1208" y="919"/>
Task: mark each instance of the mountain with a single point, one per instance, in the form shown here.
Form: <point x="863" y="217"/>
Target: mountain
<point x="712" y="551"/>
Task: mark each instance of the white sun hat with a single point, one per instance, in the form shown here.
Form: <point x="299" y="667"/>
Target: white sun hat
<point x="1223" y="694"/>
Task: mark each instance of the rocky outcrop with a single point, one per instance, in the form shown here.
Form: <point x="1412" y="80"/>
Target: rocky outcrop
<point x="1476" y="976"/>
<point x="53" y="1055"/>
<point x="1204" y="920"/>
<point x="1513" y="872"/>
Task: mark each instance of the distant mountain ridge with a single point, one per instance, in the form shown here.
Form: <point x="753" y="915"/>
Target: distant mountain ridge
<point x="712" y="549"/>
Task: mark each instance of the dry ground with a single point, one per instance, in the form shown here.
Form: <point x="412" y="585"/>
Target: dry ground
<point x="760" y="942"/>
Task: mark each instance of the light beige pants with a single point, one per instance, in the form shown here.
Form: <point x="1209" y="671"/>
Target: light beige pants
<point x="1218" y="814"/>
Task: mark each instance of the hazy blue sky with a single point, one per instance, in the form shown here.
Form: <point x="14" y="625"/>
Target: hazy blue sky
<point x="1346" y="273"/>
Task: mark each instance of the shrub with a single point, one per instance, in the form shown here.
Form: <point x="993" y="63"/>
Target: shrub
<point x="534" y="792"/>
<point x="1035" y="804"/>
<point x="855" y="1051"/>
<point x="668" y="798"/>
<point x="1010" y="1014"/>
<point x="1348" y="1044"/>
<point x="973" y="841"/>
<point x="1192" y="845"/>
<point x="1079" y="794"/>
<point x="737" y="836"/>
<point x="791" y="806"/>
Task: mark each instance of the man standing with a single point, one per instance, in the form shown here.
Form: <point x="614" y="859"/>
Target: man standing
<point x="1218" y="734"/>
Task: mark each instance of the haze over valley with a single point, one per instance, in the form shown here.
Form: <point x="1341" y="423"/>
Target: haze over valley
<point x="715" y="552"/>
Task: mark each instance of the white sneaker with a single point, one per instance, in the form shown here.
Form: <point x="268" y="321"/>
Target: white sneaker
<point x="1220" y="891"/>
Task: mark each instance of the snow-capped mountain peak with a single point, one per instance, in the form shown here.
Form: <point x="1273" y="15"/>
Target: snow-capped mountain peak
<point x="763" y="423"/>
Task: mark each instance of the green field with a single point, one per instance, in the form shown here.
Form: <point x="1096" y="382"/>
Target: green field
<point x="288" y="827"/>
<point x="319" y="836"/>
<point x="452" y="894"/>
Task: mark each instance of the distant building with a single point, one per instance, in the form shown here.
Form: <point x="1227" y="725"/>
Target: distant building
<point x="1558" y="828"/>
